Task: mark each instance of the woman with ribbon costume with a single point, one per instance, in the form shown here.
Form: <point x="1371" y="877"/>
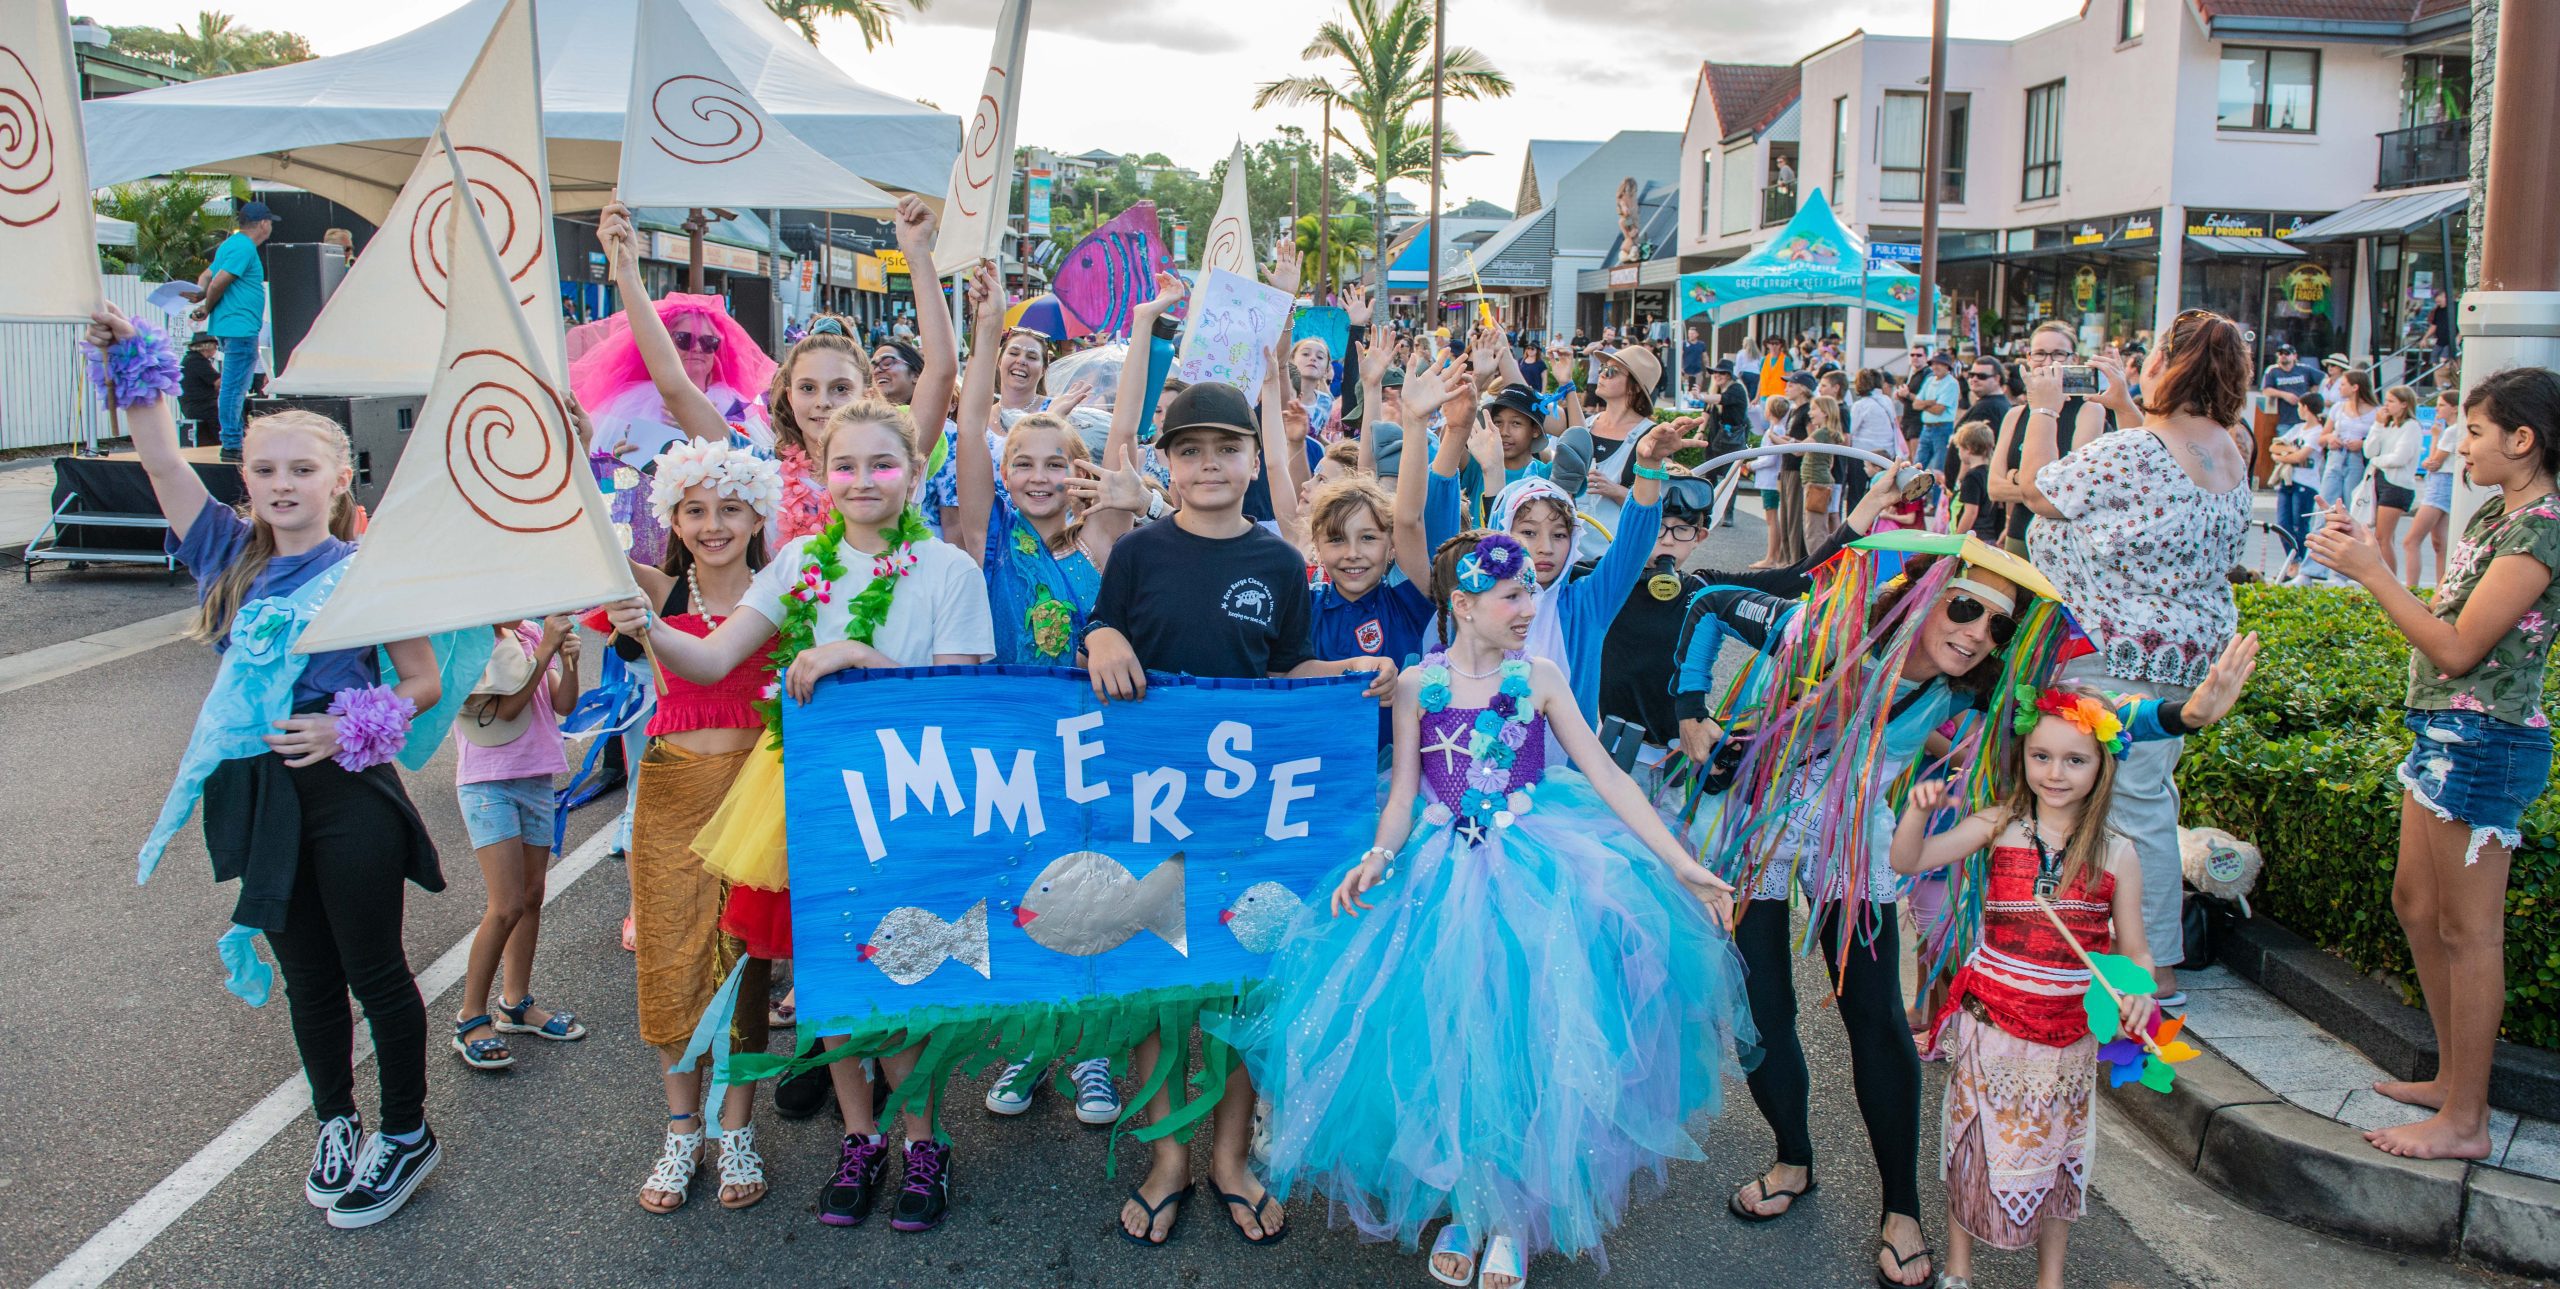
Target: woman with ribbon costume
<point x="1852" y="694"/>
<point x="291" y="757"/>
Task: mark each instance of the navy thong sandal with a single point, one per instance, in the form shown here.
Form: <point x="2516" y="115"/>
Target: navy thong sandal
<point x="1253" y="1209"/>
<point x="1178" y="1200"/>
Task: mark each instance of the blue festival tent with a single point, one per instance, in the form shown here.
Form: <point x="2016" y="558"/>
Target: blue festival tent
<point x="1812" y="261"/>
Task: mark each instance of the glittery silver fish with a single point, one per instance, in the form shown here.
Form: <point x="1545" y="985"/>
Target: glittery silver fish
<point x="911" y="943"/>
<point x="1261" y="916"/>
<point x="1086" y="902"/>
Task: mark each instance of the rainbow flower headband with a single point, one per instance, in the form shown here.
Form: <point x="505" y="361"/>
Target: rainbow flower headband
<point x="2091" y="716"/>
<point x="1496" y="557"/>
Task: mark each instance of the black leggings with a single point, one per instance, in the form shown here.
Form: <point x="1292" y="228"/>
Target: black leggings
<point x="342" y="934"/>
<point x="1882" y="1062"/>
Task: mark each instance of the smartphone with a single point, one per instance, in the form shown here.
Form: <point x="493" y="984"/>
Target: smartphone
<point x="2081" y="380"/>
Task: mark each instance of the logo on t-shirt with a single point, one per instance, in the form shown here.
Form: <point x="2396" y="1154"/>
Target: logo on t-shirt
<point x="1249" y="599"/>
<point x="1371" y="636"/>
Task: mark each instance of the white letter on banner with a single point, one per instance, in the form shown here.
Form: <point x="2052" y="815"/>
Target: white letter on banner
<point x="1013" y="796"/>
<point x="1156" y="795"/>
<point x="859" y="793"/>
<point x="1077" y="752"/>
<point x="923" y="778"/>
<point x="1285" y="789"/>
<point x="1234" y="776"/>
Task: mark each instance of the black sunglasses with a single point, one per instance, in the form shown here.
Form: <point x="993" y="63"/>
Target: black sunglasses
<point x="1962" y="608"/>
<point x="706" y="341"/>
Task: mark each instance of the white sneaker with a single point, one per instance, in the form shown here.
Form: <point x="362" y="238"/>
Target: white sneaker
<point x="1011" y="1094"/>
<point x="1097" y="1099"/>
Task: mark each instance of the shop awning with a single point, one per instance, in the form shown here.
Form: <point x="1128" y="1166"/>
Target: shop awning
<point x="2266" y="246"/>
<point x="2380" y="216"/>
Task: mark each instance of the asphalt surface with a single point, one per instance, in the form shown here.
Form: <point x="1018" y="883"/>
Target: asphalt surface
<point x="124" y="1057"/>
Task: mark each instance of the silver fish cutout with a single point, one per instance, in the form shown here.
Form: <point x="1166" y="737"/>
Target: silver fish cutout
<point x="1086" y="902"/>
<point x="1261" y="916"/>
<point x="911" y="943"/>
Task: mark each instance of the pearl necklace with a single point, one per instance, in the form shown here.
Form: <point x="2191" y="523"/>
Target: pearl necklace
<point x="1487" y="674"/>
<point x="693" y="587"/>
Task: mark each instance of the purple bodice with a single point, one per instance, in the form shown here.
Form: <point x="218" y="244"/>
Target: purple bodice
<point x="1445" y="762"/>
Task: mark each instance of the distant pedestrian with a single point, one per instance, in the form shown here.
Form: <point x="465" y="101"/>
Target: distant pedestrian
<point x="233" y="307"/>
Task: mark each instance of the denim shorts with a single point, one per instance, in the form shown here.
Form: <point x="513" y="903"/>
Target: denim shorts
<point x="507" y="810"/>
<point x="2471" y="769"/>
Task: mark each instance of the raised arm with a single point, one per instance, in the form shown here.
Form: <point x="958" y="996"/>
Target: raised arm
<point x="1422" y="393"/>
<point x="976" y="472"/>
<point x="916" y="225"/>
<point x="1276" y="447"/>
<point x="687" y="406"/>
<point x="155" y="436"/>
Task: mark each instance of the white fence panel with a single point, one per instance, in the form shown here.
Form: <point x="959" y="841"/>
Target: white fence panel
<point x="45" y="398"/>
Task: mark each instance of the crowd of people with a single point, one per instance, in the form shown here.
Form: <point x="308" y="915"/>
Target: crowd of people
<point x="1560" y="722"/>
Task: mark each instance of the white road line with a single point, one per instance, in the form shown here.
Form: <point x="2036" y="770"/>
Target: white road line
<point x="118" y="1241"/>
<point x="53" y="662"/>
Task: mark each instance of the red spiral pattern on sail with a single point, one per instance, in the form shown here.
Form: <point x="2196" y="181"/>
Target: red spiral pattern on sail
<point x="506" y="446"/>
<point x="978" y="159"/>
<point x="27" y="191"/>
<point x="1226" y="245"/>
<point x="510" y="202"/>
<point x="719" y="123"/>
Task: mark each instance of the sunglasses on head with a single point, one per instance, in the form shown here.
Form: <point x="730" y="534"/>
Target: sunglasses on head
<point x="702" y="341"/>
<point x="1962" y="609"/>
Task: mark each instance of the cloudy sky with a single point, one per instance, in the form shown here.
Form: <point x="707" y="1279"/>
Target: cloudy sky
<point x="1178" y="76"/>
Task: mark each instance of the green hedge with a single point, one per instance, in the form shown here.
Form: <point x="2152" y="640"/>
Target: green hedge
<point x="2304" y="768"/>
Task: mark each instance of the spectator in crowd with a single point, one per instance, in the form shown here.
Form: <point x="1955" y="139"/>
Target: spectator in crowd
<point x="233" y="307"/>
<point x="1936" y="401"/>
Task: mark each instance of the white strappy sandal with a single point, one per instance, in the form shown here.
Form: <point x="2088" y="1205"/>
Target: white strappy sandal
<point x="673" y="1173"/>
<point x="1457" y="1241"/>
<point x="1502" y="1258"/>
<point x="740" y="1165"/>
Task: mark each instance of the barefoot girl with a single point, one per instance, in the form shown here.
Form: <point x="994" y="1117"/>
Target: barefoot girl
<point x="2483" y="751"/>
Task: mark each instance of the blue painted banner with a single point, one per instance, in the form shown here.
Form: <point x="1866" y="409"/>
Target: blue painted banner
<point x="1328" y="323"/>
<point x="971" y="839"/>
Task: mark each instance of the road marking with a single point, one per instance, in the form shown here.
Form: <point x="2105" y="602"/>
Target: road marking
<point x="118" y="1241"/>
<point x="53" y="662"/>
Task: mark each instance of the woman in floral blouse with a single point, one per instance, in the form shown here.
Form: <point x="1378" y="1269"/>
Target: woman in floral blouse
<point x="2140" y="530"/>
<point x="2483" y="751"/>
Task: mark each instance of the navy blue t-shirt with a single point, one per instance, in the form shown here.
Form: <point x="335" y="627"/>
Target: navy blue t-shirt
<point x="1388" y="622"/>
<point x="2297" y="382"/>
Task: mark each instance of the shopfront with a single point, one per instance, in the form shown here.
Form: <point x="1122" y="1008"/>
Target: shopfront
<point x="2099" y="276"/>
<point x="2418" y="242"/>
<point x="2238" y="265"/>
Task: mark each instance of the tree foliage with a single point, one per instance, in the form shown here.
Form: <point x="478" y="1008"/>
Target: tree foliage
<point x="1080" y="205"/>
<point x="870" y="17"/>
<point x="174" y="235"/>
<point x="215" y="45"/>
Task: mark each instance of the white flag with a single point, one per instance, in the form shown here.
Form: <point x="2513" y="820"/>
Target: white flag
<point x="693" y="136"/>
<point x="381" y="328"/>
<point x="493" y="514"/>
<point x="981" y="195"/>
<point x="1229" y="244"/>
<point x="48" y="229"/>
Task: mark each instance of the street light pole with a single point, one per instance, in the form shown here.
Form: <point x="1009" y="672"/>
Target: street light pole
<point x="1932" y="149"/>
<point x="1431" y="296"/>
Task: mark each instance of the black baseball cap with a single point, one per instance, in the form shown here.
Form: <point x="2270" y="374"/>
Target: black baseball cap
<point x="2285" y="349"/>
<point x="1521" y="399"/>
<point x="1209" y="405"/>
<point x="1393" y="379"/>
<point x="1942" y="356"/>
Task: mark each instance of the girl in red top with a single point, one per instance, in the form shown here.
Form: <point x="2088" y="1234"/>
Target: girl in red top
<point x="2022" y="1064"/>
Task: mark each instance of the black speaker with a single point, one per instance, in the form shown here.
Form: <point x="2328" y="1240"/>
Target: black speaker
<point x="378" y="428"/>
<point x="301" y="276"/>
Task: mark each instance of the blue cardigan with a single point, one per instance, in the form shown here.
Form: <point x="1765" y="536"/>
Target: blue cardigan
<point x="1585" y="604"/>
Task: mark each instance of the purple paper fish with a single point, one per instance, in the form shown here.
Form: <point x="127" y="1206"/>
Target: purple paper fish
<point x="1102" y="280"/>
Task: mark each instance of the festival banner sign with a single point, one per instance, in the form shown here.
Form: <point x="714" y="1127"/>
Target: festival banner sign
<point x="1036" y="187"/>
<point x="970" y="842"/>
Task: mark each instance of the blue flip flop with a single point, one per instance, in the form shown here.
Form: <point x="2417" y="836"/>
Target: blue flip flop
<point x="1254" y="1210"/>
<point x="1177" y="1199"/>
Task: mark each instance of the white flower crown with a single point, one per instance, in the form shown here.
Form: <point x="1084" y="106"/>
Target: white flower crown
<point x="727" y="471"/>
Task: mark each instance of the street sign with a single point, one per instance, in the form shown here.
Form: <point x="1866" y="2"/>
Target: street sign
<point x="1893" y="252"/>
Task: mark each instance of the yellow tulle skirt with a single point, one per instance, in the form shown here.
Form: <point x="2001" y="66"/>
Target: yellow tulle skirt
<point x="744" y="844"/>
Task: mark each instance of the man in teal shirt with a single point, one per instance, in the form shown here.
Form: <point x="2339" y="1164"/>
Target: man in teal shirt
<point x="1937" y="399"/>
<point x="234" y="308"/>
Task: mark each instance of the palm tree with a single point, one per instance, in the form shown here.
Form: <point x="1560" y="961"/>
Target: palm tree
<point x="870" y="17"/>
<point x="217" y="46"/>
<point x="173" y="236"/>
<point x="1386" y="48"/>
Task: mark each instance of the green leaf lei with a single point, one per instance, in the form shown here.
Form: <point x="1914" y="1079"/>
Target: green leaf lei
<point x="818" y="577"/>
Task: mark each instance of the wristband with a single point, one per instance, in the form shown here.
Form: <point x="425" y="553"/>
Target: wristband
<point x="1655" y="473"/>
<point x="373" y="723"/>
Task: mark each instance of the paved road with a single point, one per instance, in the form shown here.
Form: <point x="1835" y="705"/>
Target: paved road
<point x="125" y="1058"/>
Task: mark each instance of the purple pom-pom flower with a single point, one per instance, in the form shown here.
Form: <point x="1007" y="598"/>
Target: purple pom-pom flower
<point x="136" y="372"/>
<point x="373" y="723"/>
<point x="1501" y="556"/>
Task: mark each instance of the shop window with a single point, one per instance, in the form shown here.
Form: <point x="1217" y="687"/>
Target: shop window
<point x="1902" y="144"/>
<point x="2043" y="175"/>
<point x="2276" y="90"/>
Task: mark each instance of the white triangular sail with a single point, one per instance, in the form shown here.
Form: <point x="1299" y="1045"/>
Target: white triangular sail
<point x="980" y="197"/>
<point x="493" y="514"/>
<point x="381" y="329"/>
<point x="48" y="229"/>
<point x="1229" y="243"/>
<point x="694" y="135"/>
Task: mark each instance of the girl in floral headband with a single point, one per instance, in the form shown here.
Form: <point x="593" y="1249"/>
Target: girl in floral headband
<point x="1569" y="910"/>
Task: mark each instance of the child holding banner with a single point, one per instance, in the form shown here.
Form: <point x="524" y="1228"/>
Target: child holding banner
<point x="1602" y="1004"/>
<point x="873" y="589"/>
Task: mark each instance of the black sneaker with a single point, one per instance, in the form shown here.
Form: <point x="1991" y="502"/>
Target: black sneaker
<point x="861" y="1163"/>
<point x="927" y="1195"/>
<point x="231" y="456"/>
<point x="333" y="1160"/>
<point x="387" y="1173"/>
<point x="804" y="1094"/>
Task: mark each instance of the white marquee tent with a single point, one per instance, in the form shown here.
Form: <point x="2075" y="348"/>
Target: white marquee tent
<point x="351" y="127"/>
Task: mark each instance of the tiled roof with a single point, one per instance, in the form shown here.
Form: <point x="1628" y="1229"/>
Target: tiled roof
<point x="1748" y="96"/>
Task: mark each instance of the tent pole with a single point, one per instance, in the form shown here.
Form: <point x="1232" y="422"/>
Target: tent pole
<point x="694" y="227"/>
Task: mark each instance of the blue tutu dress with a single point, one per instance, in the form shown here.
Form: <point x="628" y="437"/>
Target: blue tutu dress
<point x="1515" y="1036"/>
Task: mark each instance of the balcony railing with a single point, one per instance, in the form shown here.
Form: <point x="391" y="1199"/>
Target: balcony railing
<point x="2425" y="154"/>
<point x="1777" y="204"/>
